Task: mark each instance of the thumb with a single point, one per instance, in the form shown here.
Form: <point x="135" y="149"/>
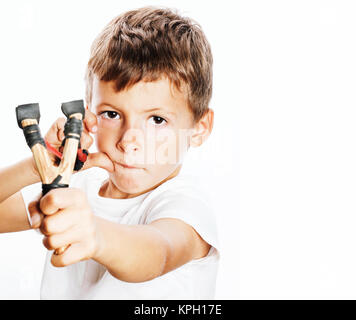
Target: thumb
<point x="99" y="159"/>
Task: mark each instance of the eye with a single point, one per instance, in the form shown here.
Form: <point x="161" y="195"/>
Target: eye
<point x="158" y="120"/>
<point x="109" y="115"/>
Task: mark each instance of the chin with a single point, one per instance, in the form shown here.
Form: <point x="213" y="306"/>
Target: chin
<point x="127" y="183"/>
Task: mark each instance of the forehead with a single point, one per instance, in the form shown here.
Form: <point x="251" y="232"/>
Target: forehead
<point x="142" y="95"/>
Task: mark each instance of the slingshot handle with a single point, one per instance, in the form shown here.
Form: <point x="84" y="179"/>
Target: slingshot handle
<point x="28" y="117"/>
<point x="74" y="111"/>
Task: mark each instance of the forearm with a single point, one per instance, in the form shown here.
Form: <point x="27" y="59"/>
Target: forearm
<point x="17" y="176"/>
<point x="131" y="253"/>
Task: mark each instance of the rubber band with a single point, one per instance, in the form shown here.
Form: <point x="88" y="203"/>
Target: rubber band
<point x="82" y="155"/>
<point x="53" y="150"/>
<point x="81" y="158"/>
<point x="54" y="185"/>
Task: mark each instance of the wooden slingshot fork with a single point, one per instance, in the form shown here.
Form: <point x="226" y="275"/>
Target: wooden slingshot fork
<point x="52" y="177"/>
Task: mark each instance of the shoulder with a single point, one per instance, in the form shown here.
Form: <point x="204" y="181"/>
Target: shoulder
<point x="183" y="185"/>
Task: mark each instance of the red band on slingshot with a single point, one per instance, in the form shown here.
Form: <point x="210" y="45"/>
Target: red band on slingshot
<point x="80" y="154"/>
<point x="53" y="150"/>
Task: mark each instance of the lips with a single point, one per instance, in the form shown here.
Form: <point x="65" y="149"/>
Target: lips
<point x="127" y="166"/>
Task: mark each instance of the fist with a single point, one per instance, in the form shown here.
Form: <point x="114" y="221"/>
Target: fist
<point x="55" y="136"/>
<point x="65" y="218"/>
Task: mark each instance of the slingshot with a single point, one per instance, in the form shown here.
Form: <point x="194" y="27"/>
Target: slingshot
<point x="52" y="177"/>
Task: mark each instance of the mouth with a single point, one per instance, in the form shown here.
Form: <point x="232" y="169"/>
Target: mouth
<point x="127" y="166"/>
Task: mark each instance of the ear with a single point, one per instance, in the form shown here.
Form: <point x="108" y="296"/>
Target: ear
<point x="202" y="129"/>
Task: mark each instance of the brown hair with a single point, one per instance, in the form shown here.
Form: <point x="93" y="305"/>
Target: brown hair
<point x="148" y="43"/>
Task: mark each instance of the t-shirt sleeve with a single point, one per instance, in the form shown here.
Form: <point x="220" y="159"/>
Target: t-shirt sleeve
<point x="192" y="208"/>
<point x="31" y="193"/>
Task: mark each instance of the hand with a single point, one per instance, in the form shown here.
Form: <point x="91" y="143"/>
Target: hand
<point x="55" y="136"/>
<point x="65" y="218"/>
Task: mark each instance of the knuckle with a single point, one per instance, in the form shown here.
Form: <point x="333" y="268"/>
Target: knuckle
<point x="54" y="125"/>
<point x="45" y="243"/>
<point x="46" y="226"/>
<point x="48" y="243"/>
<point x="49" y="201"/>
<point x="52" y="199"/>
<point x="60" y="122"/>
<point x="51" y="242"/>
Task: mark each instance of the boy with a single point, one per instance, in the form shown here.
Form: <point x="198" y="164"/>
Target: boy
<point x="136" y="227"/>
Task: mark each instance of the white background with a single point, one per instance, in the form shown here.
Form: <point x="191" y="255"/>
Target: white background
<point x="281" y="159"/>
<point x="297" y="101"/>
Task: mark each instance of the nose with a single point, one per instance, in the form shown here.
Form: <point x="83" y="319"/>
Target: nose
<point x="128" y="147"/>
<point x="130" y="141"/>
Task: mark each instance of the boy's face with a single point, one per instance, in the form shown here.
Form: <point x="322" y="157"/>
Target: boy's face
<point x="148" y="127"/>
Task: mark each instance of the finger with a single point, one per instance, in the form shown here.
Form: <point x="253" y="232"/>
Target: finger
<point x="63" y="220"/>
<point x="60" y="128"/>
<point x="90" y="121"/>
<point x="86" y="140"/>
<point x="35" y="214"/>
<point x="60" y="198"/>
<point x="99" y="159"/>
<point x="58" y="240"/>
<point x="55" y="134"/>
<point x="75" y="252"/>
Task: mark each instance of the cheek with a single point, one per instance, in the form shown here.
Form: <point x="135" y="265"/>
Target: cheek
<point x="170" y="147"/>
<point x="103" y="140"/>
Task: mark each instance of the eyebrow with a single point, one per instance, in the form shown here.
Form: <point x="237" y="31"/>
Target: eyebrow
<point x="144" y="111"/>
<point x="159" y="109"/>
<point x="103" y="104"/>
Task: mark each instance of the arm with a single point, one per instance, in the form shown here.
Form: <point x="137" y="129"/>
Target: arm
<point x="17" y="176"/>
<point x="143" y="252"/>
<point x="13" y="216"/>
<point x="132" y="253"/>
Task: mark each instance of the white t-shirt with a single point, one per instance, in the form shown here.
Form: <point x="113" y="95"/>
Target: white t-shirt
<point x="181" y="197"/>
